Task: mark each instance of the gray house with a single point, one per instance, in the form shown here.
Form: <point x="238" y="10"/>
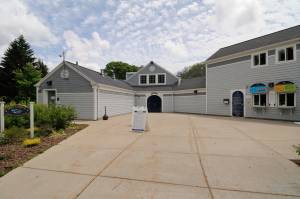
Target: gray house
<point x="90" y="91"/>
<point x="257" y="78"/>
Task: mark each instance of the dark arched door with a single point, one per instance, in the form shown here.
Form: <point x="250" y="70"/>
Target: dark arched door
<point x="238" y="104"/>
<point x="154" y="103"/>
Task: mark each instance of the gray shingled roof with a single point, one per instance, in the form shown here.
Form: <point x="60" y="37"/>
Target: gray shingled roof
<point x="98" y="78"/>
<point x="197" y="82"/>
<point x="276" y="37"/>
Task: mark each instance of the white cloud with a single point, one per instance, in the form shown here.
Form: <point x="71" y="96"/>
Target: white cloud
<point x="17" y="19"/>
<point x="86" y="51"/>
<point x="90" y="20"/>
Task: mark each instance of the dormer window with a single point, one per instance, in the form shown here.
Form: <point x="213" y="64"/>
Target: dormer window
<point x="152" y="79"/>
<point x="143" y="79"/>
<point x="161" y="78"/>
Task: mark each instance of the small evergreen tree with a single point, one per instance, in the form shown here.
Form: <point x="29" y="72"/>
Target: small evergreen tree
<point x="18" y="54"/>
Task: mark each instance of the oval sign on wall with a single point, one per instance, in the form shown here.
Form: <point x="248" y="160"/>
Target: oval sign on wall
<point x="17" y="110"/>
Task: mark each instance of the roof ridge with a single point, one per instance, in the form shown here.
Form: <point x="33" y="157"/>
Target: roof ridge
<point x="83" y="67"/>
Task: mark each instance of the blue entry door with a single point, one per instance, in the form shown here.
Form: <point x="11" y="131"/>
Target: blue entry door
<point x="238" y="104"/>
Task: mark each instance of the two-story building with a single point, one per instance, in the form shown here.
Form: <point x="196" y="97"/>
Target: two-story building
<point x="258" y="78"/>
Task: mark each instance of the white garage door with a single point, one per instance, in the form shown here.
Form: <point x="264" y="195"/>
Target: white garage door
<point x="116" y="103"/>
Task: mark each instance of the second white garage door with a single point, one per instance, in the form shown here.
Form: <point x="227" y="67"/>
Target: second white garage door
<point x="116" y="103"/>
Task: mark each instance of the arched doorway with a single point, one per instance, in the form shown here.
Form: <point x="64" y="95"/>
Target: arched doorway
<point x="154" y="104"/>
<point x="238" y="104"/>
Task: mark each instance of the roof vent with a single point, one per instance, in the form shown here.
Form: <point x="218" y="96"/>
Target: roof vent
<point x="151" y="62"/>
<point x="76" y="63"/>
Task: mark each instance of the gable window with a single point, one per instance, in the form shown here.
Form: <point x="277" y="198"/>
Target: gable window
<point x="286" y="54"/>
<point x="259" y="100"/>
<point x="259" y="59"/>
<point x="161" y="78"/>
<point x="143" y="79"/>
<point x="152" y="79"/>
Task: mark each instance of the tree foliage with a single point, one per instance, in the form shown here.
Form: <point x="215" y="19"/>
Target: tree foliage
<point x="26" y="78"/>
<point x="119" y="69"/>
<point x="41" y="67"/>
<point x="16" y="57"/>
<point x="196" y="70"/>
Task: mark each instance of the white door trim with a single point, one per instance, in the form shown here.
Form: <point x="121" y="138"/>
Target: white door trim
<point x="45" y="95"/>
<point x="244" y="93"/>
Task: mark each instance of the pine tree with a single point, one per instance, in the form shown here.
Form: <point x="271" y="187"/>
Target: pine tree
<point x="41" y="67"/>
<point x="18" y="54"/>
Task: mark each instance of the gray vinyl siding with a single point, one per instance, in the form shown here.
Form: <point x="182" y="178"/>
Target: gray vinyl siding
<point x="134" y="79"/>
<point x="82" y="102"/>
<point x="239" y="75"/>
<point x="140" y="100"/>
<point x="40" y="98"/>
<point x="168" y="104"/>
<point x="74" y="84"/>
<point x="190" y="103"/>
<point x="116" y="103"/>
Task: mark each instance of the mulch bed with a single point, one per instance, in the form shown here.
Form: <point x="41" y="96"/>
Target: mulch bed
<point x="15" y="154"/>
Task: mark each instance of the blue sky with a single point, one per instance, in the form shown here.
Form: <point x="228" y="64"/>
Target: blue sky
<point x="173" y="33"/>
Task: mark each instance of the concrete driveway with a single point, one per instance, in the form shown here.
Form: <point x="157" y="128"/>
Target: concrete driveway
<point x="182" y="156"/>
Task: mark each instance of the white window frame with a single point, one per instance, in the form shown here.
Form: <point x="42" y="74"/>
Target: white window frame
<point x="284" y="48"/>
<point x="259" y="65"/>
<point x="285" y="105"/>
<point x="259" y="106"/>
<point x="156" y="80"/>
<point x="165" y="78"/>
<point x="146" y="79"/>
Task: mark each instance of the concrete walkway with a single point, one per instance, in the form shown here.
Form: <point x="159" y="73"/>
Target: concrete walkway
<point x="182" y="156"/>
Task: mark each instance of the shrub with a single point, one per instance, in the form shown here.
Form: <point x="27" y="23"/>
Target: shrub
<point x="61" y="116"/>
<point x="15" y="134"/>
<point x="18" y="121"/>
<point x="53" y="117"/>
<point x="298" y="150"/>
<point x="3" y="139"/>
<point x="31" y="142"/>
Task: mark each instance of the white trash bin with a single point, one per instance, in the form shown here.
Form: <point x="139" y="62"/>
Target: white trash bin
<point x="139" y="118"/>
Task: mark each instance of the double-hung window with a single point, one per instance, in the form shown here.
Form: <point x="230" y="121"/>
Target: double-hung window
<point x="286" y="54"/>
<point x="286" y="100"/>
<point x="143" y="79"/>
<point x="259" y="59"/>
<point x="259" y="100"/>
<point x="161" y="78"/>
<point x="152" y="79"/>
